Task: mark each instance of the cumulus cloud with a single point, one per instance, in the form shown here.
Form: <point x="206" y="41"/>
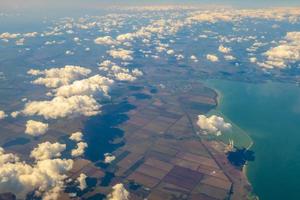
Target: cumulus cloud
<point x="87" y="86"/>
<point x="79" y="151"/>
<point x="36" y="128"/>
<point x="229" y="57"/>
<point x="286" y="53"/>
<point x="212" y="58"/>
<point x="47" y="150"/>
<point x="2" y="114"/>
<point x="56" y="77"/>
<point x="81" y="181"/>
<point x="121" y="54"/>
<point x="224" y="49"/>
<point x="7" y="158"/>
<point x="60" y="107"/>
<point x="119" y="193"/>
<point x="77" y="136"/>
<point x="213" y="124"/>
<point x="108" y="158"/>
<point x="106" y="40"/>
<point x="45" y="177"/>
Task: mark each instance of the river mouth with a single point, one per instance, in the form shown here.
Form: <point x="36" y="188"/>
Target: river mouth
<point x="269" y="115"/>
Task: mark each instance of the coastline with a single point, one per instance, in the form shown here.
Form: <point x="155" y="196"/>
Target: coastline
<point x="219" y="98"/>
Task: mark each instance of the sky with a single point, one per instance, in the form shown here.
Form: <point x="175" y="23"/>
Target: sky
<point x="63" y="8"/>
<point x="68" y="4"/>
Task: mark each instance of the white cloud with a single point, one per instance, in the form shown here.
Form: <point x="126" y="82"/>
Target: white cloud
<point x="45" y="177"/>
<point x="224" y="49"/>
<point x="36" y="128"/>
<point x="253" y="59"/>
<point x="119" y="73"/>
<point x="106" y="40"/>
<point x="31" y="34"/>
<point x="60" y="107"/>
<point x="229" y="57"/>
<point x="212" y="58"/>
<point x="108" y="158"/>
<point x="79" y="150"/>
<point x="7" y="157"/>
<point x="119" y="193"/>
<point x="87" y="86"/>
<point x="121" y="54"/>
<point x="47" y="150"/>
<point x="56" y="77"/>
<point x="81" y="181"/>
<point x="286" y="53"/>
<point x="77" y="136"/>
<point x="213" y="124"/>
<point x="2" y="114"/>
<point x="7" y="35"/>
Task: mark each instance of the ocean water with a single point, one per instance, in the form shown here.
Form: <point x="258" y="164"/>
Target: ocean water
<point x="270" y="114"/>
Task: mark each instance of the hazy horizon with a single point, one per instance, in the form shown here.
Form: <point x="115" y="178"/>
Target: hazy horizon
<point x="20" y="5"/>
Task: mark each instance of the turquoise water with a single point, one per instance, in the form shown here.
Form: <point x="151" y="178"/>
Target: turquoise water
<point x="270" y="114"/>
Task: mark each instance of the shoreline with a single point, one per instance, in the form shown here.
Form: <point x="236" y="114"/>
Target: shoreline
<point x="219" y="98"/>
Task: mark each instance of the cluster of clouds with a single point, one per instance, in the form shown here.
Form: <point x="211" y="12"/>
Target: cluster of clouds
<point x="80" y="146"/>
<point x="289" y="14"/>
<point x="213" y="124"/>
<point x="119" y="73"/>
<point x="55" y="77"/>
<point x="283" y="55"/>
<point x="45" y="177"/>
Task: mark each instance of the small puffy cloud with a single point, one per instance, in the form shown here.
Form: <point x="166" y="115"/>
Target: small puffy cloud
<point x="106" y="40"/>
<point x="77" y="136"/>
<point x="194" y="58"/>
<point x="45" y="177"/>
<point x="7" y="157"/>
<point x="229" y="57"/>
<point x="119" y="193"/>
<point x="36" y="128"/>
<point x="14" y="114"/>
<point x="87" y="86"/>
<point x="79" y="151"/>
<point x="56" y="77"/>
<point x="213" y="124"/>
<point x="253" y="59"/>
<point x="212" y="58"/>
<point x="81" y="181"/>
<point x="47" y="150"/>
<point x="126" y="37"/>
<point x="60" y="107"/>
<point x="170" y="52"/>
<point x="121" y="54"/>
<point x="124" y="77"/>
<point x="69" y="52"/>
<point x="2" y="114"/>
<point x="108" y="158"/>
<point x="224" y="49"/>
